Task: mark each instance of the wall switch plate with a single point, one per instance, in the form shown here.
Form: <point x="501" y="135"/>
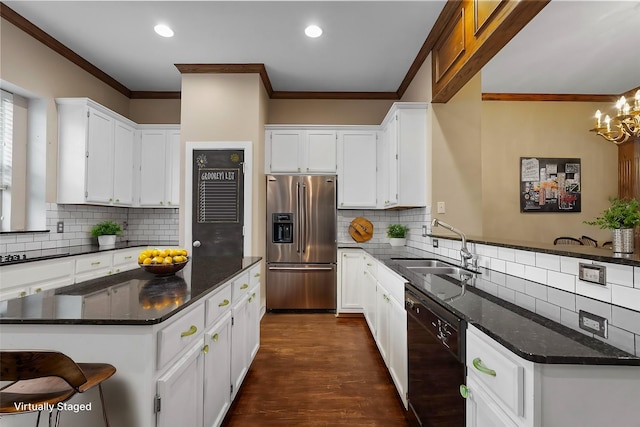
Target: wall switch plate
<point x="60" y="227"/>
<point x="425" y="232"/>
<point x="592" y="273"/>
<point x="441" y="207"/>
<point x="593" y="323"/>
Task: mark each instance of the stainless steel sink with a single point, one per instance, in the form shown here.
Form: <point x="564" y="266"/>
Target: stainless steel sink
<point x="429" y="266"/>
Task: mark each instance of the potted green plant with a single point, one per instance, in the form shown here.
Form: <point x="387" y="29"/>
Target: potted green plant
<point x="106" y="232"/>
<point x="621" y="217"/>
<point x="397" y="234"/>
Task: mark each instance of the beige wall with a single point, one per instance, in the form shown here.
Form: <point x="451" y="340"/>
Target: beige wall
<point x="228" y="107"/>
<point x="457" y="160"/>
<point x="29" y="64"/>
<point x="327" y="111"/>
<point x="155" y="111"/>
<point x="511" y="130"/>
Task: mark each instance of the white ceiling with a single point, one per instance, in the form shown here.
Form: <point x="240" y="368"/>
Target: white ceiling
<point x="367" y="46"/>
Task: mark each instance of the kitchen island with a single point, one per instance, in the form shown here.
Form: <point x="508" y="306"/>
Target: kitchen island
<point x="170" y="338"/>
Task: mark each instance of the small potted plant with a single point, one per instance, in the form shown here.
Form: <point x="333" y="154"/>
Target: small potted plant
<point x="621" y="218"/>
<point x="397" y="234"/>
<point x="106" y="232"/>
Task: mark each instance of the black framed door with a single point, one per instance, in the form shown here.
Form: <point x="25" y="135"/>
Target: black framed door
<point x="218" y="203"/>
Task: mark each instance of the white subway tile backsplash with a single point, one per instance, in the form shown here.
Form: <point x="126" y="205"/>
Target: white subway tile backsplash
<point x="535" y="274"/>
<point x="526" y="301"/>
<point x="570" y="319"/>
<point x="536" y="290"/>
<point x="592" y="306"/>
<point x="636" y="277"/>
<point x="506" y="254"/>
<point x="626" y="319"/>
<point x="626" y="297"/>
<point x="619" y="274"/>
<point x="561" y="298"/>
<point x="525" y="257"/>
<point x="498" y="265"/>
<point x="548" y="310"/>
<point x="515" y="269"/>
<point x="548" y="261"/>
<point x="620" y="338"/>
<point x="569" y="265"/>
<point x="564" y="281"/>
<point x="592" y="290"/>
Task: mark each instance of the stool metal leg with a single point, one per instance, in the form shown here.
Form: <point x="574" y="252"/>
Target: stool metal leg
<point x="38" y="419"/>
<point x="104" y="409"/>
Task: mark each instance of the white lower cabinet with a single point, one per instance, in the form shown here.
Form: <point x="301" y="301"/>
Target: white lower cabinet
<point x="217" y="372"/>
<point x="239" y="357"/>
<point x="350" y="295"/>
<point x="378" y="293"/>
<point x="20" y="280"/>
<point x="482" y="411"/>
<point x="180" y="391"/>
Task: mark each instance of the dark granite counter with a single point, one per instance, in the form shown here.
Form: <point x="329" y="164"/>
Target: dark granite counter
<point x="576" y="251"/>
<point x="134" y="297"/>
<point x="527" y="334"/>
<point x="42" y="254"/>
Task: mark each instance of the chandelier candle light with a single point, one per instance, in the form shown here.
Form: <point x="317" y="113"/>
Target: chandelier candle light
<point x="626" y="124"/>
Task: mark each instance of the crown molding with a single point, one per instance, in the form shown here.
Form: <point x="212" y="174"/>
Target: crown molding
<point x="547" y="97"/>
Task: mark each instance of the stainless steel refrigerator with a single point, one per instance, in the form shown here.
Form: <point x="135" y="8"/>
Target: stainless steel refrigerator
<point x="301" y="242"/>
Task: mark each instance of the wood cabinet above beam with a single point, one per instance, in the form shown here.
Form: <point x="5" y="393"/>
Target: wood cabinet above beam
<point x="472" y="35"/>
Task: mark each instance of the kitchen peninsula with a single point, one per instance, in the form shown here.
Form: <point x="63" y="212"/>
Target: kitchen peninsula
<point x="174" y="340"/>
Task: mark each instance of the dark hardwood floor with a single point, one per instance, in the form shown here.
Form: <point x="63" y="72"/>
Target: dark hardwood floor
<point x="316" y="370"/>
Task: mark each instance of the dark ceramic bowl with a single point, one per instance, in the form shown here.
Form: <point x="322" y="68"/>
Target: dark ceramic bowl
<point x="164" y="269"/>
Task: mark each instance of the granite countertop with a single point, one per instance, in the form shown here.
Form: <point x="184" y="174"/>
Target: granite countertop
<point x="21" y="257"/>
<point x="579" y="251"/>
<point x="135" y="297"/>
<point x="527" y="334"/>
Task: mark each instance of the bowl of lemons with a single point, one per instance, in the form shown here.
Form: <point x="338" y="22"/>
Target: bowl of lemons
<point x="163" y="262"/>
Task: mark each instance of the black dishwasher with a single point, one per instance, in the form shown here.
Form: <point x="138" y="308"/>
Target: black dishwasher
<point x="436" y="362"/>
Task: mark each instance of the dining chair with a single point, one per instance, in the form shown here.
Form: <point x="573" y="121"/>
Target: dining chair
<point x="567" y="241"/>
<point x="45" y="377"/>
<point x="588" y="241"/>
<point x="607" y="245"/>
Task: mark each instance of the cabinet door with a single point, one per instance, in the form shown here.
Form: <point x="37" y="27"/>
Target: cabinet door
<point x="370" y="289"/>
<point x="390" y="162"/>
<point x="123" y="164"/>
<point x="172" y="197"/>
<point x="398" y="349"/>
<point x="357" y="169"/>
<point x="253" y="324"/>
<point x="382" y="325"/>
<point x="285" y="151"/>
<point x="153" y="172"/>
<point x="217" y="372"/>
<point x="239" y="358"/>
<point x="351" y="282"/>
<point x="482" y="411"/>
<point x="180" y="391"/>
<point x="99" y="179"/>
<point x="321" y="150"/>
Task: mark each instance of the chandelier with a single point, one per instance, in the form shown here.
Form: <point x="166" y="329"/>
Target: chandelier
<point x="626" y="124"/>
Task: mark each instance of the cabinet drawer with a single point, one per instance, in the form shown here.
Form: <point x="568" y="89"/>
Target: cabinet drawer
<point x="240" y="286"/>
<point x="496" y="370"/>
<point x="392" y="282"/>
<point x="125" y="259"/>
<point x="371" y="266"/>
<point x="254" y="275"/>
<point x="180" y="334"/>
<point x="218" y="304"/>
<point x="93" y="263"/>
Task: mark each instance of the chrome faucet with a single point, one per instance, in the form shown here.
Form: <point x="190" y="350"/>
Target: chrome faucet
<point x="465" y="255"/>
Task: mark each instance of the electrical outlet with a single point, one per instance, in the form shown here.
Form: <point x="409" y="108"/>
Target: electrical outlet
<point x="592" y="273"/>
<point x="593" y="323"/>
<point x="441" y="208"/>
<point x="60" y="227"/>
<point x="434" y="242"/>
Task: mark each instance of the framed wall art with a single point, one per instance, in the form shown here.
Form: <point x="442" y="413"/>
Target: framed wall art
<point x="549" y="184"/>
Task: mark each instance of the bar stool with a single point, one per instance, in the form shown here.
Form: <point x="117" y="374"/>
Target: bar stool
<point x="44" y="377"/>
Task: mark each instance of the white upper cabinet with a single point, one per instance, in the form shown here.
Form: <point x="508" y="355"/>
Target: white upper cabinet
<point x="357" y="169"/>
<point x="296" y="150"/>
<point x="106" y="159"/>
<point x="403" y="169"/>
<point x="158" y="155"/>
<point x="95" y="147"/>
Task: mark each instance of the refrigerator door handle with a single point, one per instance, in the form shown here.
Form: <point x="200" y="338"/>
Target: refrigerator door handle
<point x="301" y="268"/>
<point x="297" y="220"/>
<point x="305" y="217"/>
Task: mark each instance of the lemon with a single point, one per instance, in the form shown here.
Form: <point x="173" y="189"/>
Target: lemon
<point x="168" y="260"/>
<point x="174" y="253"/>
<point x="147" y="261"/>
<point x="141" y="258"/>
<point x="158" y="260"/>
<point x="155" y="252"/>
<point x="177" y="258"/>
<point x="183" y="252"/>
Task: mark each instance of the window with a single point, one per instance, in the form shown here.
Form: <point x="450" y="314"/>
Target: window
<point x="6" y="149"/>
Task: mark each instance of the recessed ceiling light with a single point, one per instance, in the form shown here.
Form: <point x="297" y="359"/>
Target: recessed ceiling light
<point x="163" y="30"/>
<point x="313" y="31"/>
